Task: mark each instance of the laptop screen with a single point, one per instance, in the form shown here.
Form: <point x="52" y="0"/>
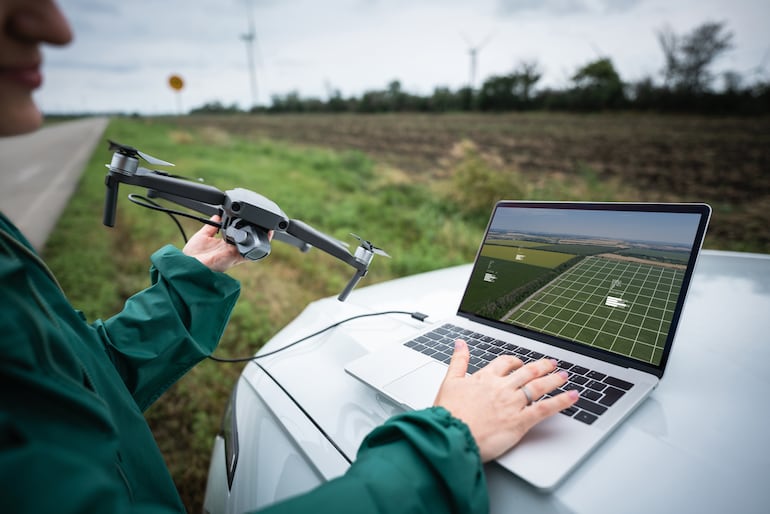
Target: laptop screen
<point x="603" y="278"/>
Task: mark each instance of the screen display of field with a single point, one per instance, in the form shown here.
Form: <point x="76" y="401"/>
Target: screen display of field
<point x="594" y="277"/>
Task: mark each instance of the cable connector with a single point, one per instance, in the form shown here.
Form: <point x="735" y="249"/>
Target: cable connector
<point x="419" y="316"/>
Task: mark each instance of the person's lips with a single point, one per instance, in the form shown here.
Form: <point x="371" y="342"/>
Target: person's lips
<point x="27" y="76"/>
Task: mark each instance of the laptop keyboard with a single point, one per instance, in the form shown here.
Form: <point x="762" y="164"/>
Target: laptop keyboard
<point x="598" y="391"/>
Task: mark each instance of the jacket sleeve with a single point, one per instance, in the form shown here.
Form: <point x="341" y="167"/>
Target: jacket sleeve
<point x="57" y="439"/>
<point x="419" y="462"/>
<point x="169" y="327"/>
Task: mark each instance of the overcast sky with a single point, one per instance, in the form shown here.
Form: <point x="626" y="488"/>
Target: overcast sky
<point x="657" y="227"/>
<point x="124" y="52"/>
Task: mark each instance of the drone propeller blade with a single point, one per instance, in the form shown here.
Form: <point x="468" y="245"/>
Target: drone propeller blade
<point x="154" y="160"/>
<point x="133" y="152"/>
<point x="114" y="145"/>
<point x="369" y="246"/>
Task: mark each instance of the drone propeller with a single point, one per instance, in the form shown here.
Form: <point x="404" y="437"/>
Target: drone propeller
<point x="367" y="245"/>
<point x="133" y="152"/>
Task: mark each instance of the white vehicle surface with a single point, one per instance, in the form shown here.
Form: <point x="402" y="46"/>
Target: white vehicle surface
<point x="697" y="444"/>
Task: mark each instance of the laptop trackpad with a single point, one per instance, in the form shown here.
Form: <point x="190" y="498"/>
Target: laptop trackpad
<point x="417" y="389"/>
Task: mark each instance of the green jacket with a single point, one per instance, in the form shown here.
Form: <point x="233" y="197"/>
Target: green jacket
<point x="72" y="434"/>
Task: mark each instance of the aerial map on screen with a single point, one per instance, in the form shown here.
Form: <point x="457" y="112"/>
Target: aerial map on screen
<point x="604" y="279"/>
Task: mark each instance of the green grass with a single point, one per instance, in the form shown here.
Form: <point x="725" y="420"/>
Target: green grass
<point x="424" y="223"/>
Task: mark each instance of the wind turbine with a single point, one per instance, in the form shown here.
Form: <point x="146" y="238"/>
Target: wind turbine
<point x="249" y="38"/>
<point x="473" y="52"/>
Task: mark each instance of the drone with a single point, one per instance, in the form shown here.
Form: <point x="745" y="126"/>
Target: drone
<point x="247" y="217"/>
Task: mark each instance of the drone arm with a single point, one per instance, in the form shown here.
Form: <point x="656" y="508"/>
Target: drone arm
<point x="313" y="237"/>
<point x="185" y="189"/>
<point x="178" y="187"/>
<point x="335" y="249"/>
<point x="203" y="208"/>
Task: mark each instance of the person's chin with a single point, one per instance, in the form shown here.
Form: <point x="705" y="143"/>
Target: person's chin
<point x="19" y="117"/>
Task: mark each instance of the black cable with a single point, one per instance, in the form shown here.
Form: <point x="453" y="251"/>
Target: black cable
<point x="416" y="315"/>
<point x="143" y="201"/>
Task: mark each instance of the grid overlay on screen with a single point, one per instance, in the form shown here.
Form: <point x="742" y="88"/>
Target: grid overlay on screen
<point x="622" y="306"/>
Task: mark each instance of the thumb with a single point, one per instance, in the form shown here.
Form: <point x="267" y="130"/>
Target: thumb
<point x="210" y="230"/>
<point x="458" y="366"/>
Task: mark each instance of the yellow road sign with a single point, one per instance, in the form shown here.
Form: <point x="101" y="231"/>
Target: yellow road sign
<point x="176" y="82"/>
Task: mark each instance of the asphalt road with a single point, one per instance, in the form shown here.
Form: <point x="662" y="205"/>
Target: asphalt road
<point x="40" y="171"/>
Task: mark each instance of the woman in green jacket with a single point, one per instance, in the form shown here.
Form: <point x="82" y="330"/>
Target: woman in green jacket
<point x="72" y="434"/>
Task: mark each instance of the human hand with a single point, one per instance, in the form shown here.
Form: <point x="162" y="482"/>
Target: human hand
<point x="493" y="402"/>
<point x="214" y="252"/>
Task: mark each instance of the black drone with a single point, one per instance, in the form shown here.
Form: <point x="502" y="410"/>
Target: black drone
<point x="247" y="217"/>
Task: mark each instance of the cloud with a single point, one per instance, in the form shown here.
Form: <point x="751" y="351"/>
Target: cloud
<point x="108" y="67"/>
<point x="565" y="7"/>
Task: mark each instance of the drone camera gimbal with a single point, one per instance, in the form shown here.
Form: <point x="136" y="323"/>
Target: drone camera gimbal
<point x="247" y="217"/>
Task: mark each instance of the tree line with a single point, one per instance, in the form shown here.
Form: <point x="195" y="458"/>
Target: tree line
<point x="687" y="85"/>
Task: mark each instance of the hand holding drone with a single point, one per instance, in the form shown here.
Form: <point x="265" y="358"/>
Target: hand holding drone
<point x="247" y="217"/>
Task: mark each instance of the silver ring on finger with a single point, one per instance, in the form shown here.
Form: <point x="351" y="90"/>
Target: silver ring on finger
<point x="527" y="394"/>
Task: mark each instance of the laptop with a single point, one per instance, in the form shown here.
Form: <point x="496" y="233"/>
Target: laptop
<point x="600" y="287"/>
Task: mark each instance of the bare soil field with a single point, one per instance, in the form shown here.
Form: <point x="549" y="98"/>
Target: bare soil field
<point x="724" y="161"/>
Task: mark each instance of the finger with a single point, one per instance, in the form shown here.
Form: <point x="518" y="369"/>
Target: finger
<point x="544" y="408"/>
<point x="543" y="385"/>
<point x="458" y="365"/>
<point x="531" y="371"/>
<point x="503" y="365"/>
<point x="209" y="230"/>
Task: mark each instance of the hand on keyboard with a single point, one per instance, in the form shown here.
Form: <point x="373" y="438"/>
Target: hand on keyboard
<point x="498" y="402"/>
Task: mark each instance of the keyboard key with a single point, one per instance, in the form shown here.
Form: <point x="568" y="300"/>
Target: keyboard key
<point x="570" y="411"/>
<point x="622" y="384"/>
<point x="579" y="370"/>
<point x="585" y="417"/>
<point x="596" y="386"/>
<point x="579" y="379"/>
<point x="489" y="357"/>
<point x="570" y="386"/>
<point x="590" y="406"/>
<point x="611" y="395"/>
<point x="565" y="365"/>
<point x="596" y="375"/>
<point x="592" y="395"/>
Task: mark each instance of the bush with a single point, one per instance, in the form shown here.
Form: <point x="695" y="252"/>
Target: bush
<point x="479" y="180"/>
